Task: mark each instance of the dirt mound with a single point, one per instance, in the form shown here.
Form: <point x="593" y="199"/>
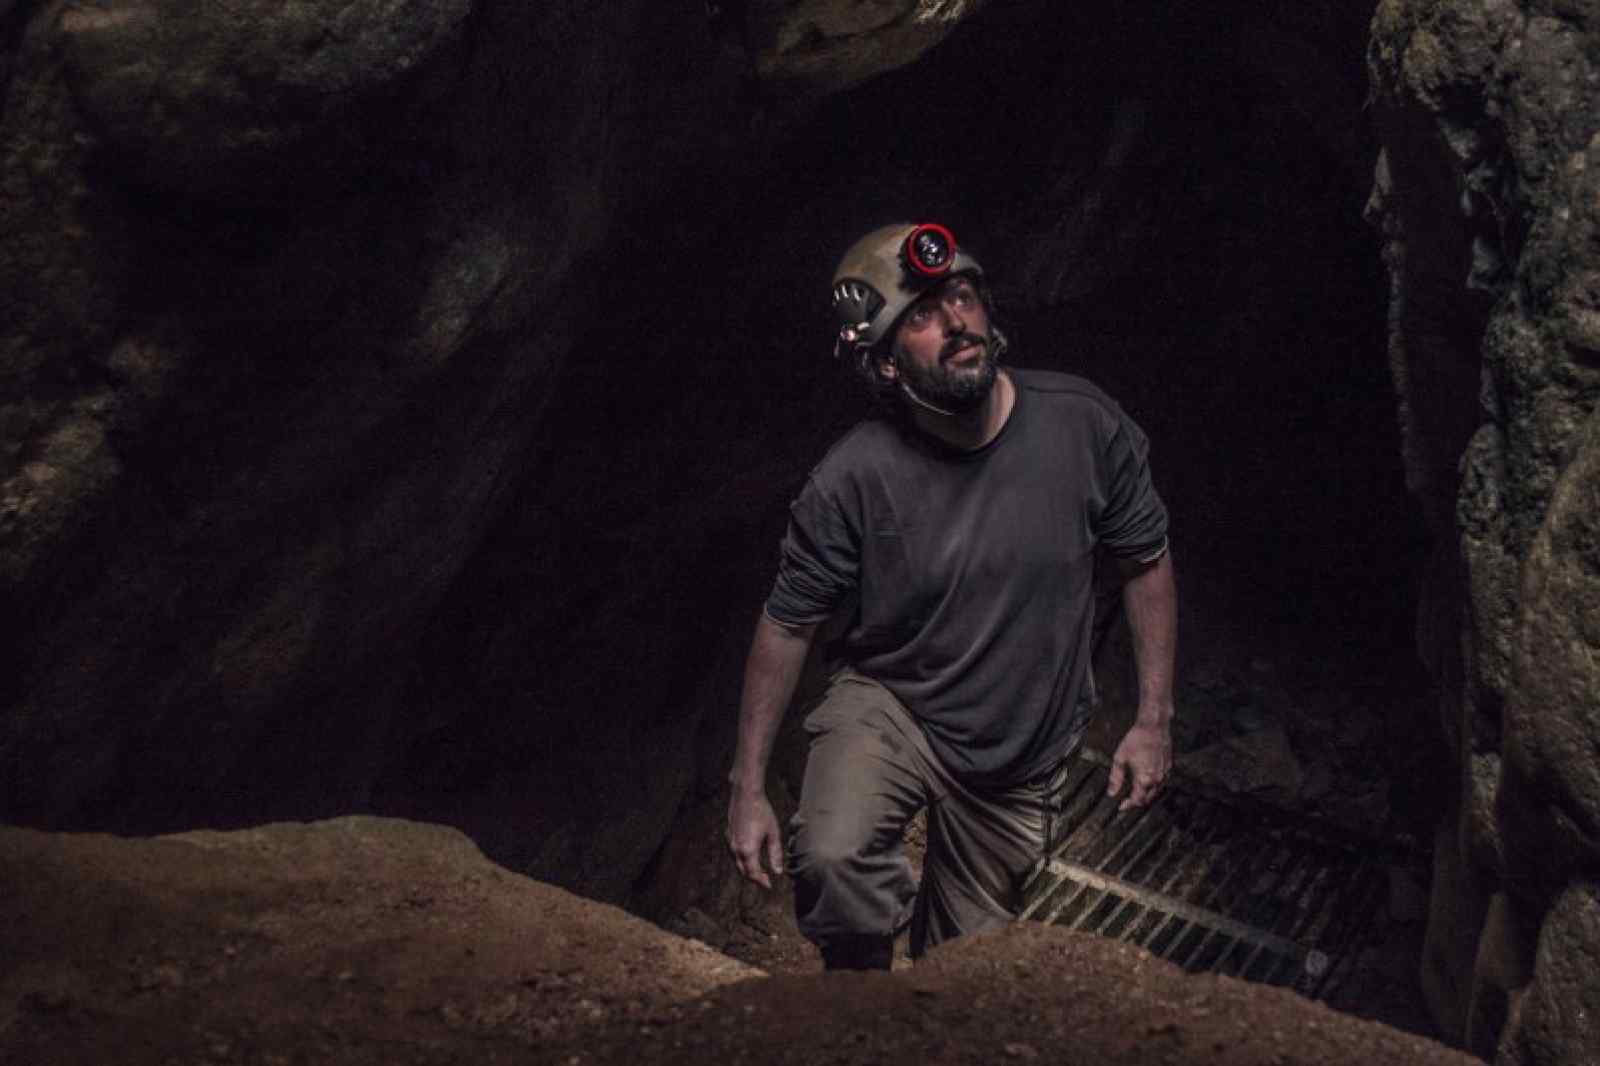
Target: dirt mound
<point x="364" y="940"/>
<point x="354" y="940"/>
<point x="1029" y="993"/>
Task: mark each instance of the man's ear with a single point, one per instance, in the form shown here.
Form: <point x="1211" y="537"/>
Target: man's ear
<point x="883" y="363"/>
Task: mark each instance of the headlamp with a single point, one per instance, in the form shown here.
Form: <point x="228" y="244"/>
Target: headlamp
<point x="929" y="251"/>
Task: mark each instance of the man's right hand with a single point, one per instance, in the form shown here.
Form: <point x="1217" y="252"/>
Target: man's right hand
<point x="752" y="832"/>
<point x="777" y="653"/>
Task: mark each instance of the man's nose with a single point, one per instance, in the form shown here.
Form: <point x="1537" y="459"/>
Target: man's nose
<point x="953" y="322"/>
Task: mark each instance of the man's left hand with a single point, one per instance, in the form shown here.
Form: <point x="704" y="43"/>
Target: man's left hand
<point x="1144" y="758"/>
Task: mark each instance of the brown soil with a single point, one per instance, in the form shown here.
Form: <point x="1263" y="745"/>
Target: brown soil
<point x="366" y="940"/>
<point x="1029" y="993"/>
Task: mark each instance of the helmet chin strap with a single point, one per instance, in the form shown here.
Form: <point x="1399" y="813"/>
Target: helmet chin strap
<point x="997" y="347"/>
<point x="911" y="394"/>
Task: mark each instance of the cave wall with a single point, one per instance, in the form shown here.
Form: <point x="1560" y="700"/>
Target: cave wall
<point x="1486" y="195"/>
<point x="286" y="290"/>
<point x="268" y="293"/>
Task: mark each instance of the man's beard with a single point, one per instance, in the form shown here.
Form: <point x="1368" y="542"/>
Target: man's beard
<point x="956" y="389"/>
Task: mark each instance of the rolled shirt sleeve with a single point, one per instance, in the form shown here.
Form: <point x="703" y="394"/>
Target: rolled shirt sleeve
<point x="1133" y="522"/>
<point x="818" y="560"/>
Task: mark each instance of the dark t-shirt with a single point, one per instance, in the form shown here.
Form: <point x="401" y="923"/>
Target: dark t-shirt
<point x="973" y="571"/>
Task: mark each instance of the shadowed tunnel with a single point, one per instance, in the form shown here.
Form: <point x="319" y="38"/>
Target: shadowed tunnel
<point x="1169" y="223"/>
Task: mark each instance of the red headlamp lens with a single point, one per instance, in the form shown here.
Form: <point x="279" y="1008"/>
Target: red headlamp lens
<point x="930" y="250"/>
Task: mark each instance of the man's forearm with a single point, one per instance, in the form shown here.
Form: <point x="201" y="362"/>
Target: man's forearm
<point x="777" y="654"/>
<point x="1150" y="598"/>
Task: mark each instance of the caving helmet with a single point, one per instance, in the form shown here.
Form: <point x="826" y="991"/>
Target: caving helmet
<point x="882" y="274"/>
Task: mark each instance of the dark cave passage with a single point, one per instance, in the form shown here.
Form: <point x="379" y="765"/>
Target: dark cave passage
<point x="1172" y="225"/>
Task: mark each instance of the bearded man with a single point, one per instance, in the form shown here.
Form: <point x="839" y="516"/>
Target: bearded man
<point x="961" y="532"/>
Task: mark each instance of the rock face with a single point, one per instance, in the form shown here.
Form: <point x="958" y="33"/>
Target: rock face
<point x="225" y="101"/>
<point x="287" y="289"/>
<point x="230" y="271"/>
<point x="810" y="48"/>
<point x="366" y="940"/>
<point x="1487" y="196"/>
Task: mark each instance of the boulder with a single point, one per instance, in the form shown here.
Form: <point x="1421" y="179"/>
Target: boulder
<point x="1258" y="763"/>
<point x="1486" y="196"/>
<point x="1550" y="795"/>
<point x="1558" y="1019"/>
<point x="810" y="48"/>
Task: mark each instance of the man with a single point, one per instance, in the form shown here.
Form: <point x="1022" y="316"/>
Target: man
<point x="963" y="528"/>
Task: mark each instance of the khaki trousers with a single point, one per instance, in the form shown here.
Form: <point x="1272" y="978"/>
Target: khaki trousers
<point x="869" y="771"/>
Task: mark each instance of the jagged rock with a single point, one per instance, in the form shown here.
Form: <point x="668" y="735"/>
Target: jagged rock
<point x="1259" y="763"/>
<point x="255" y="98"/>
<point x="812" y="47"/>
<point x="286" y="288"/>
<point x="1489" y="114"/>
<point x="1558" y="1017"/>
<point x="1456" y="902"/>
<point x="1550" y="796"/>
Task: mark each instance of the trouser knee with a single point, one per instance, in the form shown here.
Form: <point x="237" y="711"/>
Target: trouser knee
<point x="824" y="859"/>
<point x="843" y="900"/>
<point x="847" y="883"/>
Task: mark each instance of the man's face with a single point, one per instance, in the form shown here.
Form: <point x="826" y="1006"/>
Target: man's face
<point x="943" y="347"/>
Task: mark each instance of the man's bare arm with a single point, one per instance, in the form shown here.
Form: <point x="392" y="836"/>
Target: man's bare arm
<point x="1150" y="598"/>
<point x="777" y="654"/>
